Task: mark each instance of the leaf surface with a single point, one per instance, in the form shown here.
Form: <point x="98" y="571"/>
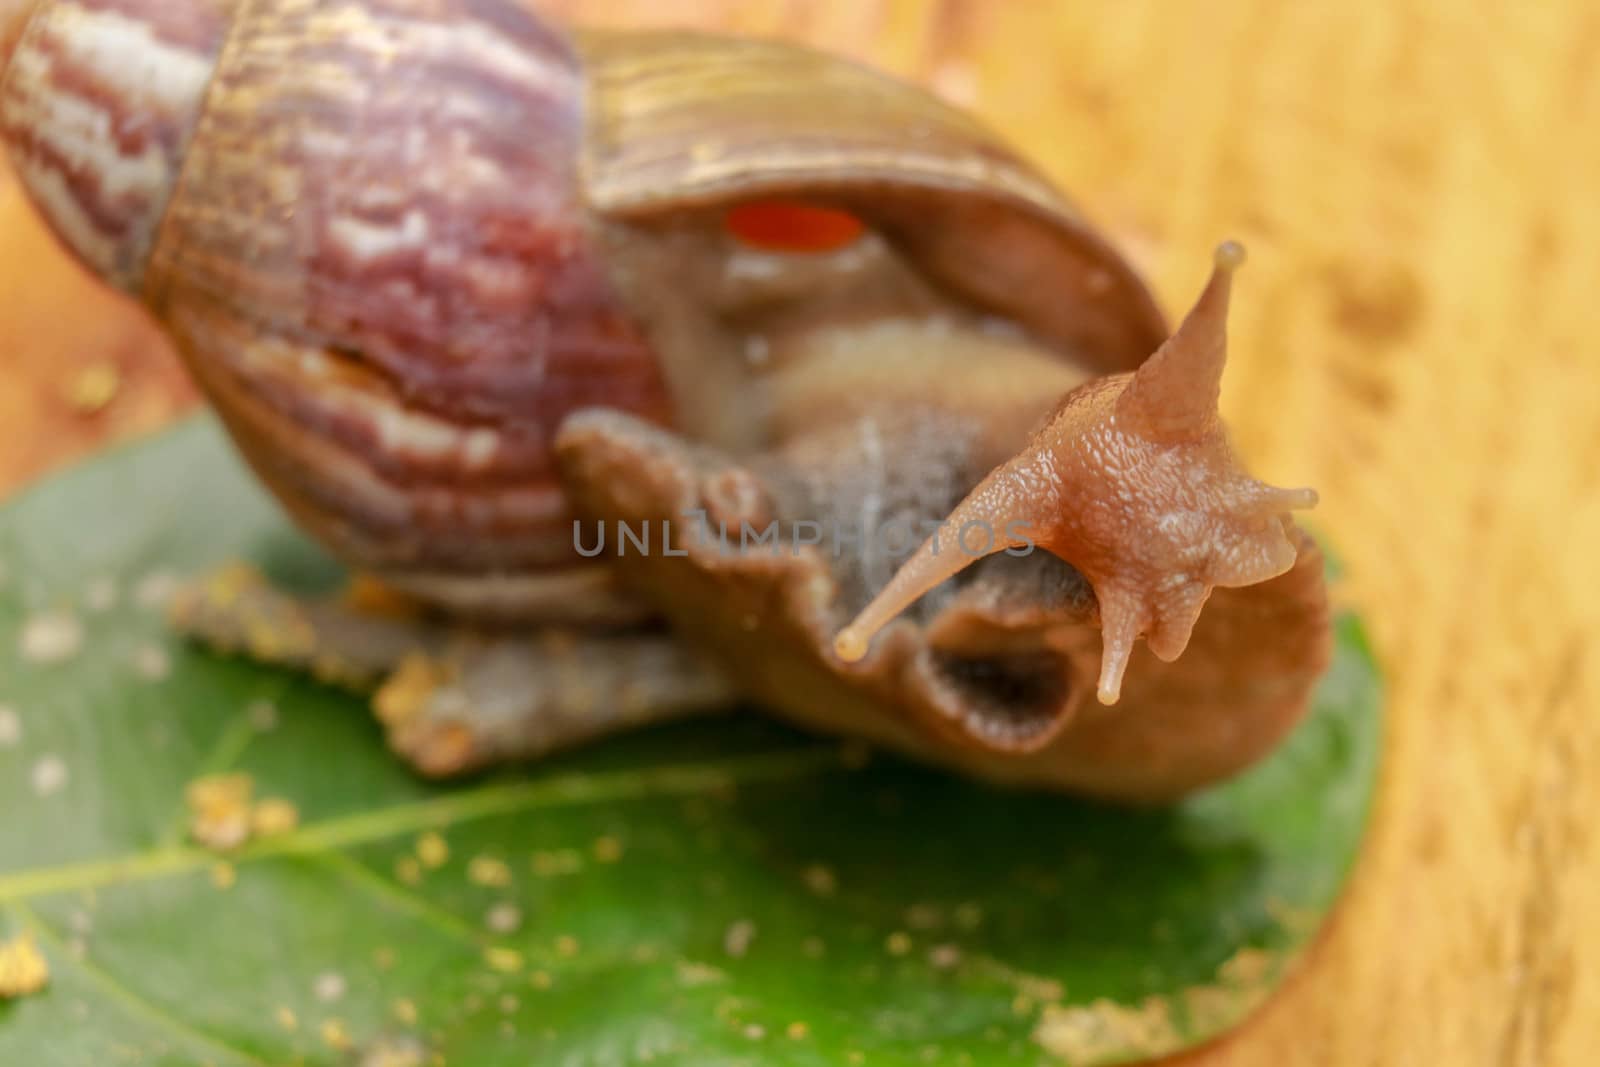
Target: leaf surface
<point x="718" y="892"/>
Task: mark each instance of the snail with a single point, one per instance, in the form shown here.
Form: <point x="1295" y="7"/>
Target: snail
<point x="662" y="372"/>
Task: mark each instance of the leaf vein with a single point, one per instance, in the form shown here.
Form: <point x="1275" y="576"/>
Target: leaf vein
<point x="125" y="996"/>
<point x="438" y="813"/>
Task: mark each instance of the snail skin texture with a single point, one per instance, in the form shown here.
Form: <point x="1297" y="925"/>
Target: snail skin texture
<point x="469" y="289"/>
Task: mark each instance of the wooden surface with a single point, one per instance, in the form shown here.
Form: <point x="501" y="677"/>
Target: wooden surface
<point x="1417" y="184"/>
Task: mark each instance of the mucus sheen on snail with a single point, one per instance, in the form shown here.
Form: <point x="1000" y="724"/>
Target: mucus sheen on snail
<point x="454" y="277"/>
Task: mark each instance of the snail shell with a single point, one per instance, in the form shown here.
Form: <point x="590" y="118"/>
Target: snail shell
<point x="404" y="245"/>
<point x="378" y="232"/>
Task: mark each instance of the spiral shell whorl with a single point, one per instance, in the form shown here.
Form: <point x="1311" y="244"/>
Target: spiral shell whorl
<point x="97" y="104"/>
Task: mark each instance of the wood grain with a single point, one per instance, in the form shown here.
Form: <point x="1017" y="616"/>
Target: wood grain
<point x="1415" y="335"/>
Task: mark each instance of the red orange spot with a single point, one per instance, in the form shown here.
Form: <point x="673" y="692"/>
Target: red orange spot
<point x="793" y="226"/>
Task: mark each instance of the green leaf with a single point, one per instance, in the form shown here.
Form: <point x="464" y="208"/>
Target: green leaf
<point x="721" y="892"/>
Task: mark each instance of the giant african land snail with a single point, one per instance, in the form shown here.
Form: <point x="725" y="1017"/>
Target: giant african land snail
<point x="453" y="277"/>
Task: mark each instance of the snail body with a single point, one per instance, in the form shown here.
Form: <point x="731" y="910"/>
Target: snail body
<point x="455" y="279"/>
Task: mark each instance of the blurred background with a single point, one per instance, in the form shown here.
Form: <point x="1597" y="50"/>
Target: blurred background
<point x="1415" y="336"/>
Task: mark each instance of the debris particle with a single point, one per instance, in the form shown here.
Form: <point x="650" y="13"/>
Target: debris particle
<point x="821" y="880"/>
<point x="755" y="1031"/>
<point x="101" y="595"/>
<point x="853" y="1057"/>
<point x="503" y="918"/>
<point x="219" y="810"/>
<point x="336" y="1036"/>
<point x="156" y="590"/>
<point x="607" y="849"/>
<point x="262" y="716"/>
<point x="224" y="876"/>
<point x="93" y="388"/>
<point x="968" y="916"/>
<point x="1104" y="1029"/>
<point x="1036" y="986"/>
<point x="51" y="638"/>
<point x="1248" y="966"/>
<point x="405" y="695"/>
<point x="10" y="727"/>
<point x="274" y="817"/>
<point x="736" y="941"/>
<point x="408" y="869"/>
<point x="330" y="988"/>
<point x="286" y="1019"/>
<point x="797" y="1031"/>
<point x="541" y="980"/>
<point x="152" y="663"/>
<point x="1218" y="1007"/>
<point x="566" y="946"/>
<point x="944" y="957"/>
<point x="924" y="917"/>
<point x="813" y="948"/>
<point x="898" y="943"/>
<point x="509" y="1004"/>
<point x="432" y="851"/>
<point x="49" y="775"/>
<point x="504" y="960"/>
<point x="383" y="958"/>
<point x="692" y="973"/>
<point x="404" y="1011"/>
<point x="395" y="1052"/>
<point x="562" y="861"/>
<point x="23" y="969"/>
<point x="489" y="872"/>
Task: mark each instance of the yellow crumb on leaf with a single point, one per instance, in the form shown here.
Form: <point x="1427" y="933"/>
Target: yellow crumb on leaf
<point x="821" y="880"/>
<point x="1105" y="1029"/>
<point x="394" y="1052"/>
<point x="404" y="1011"/>
<point x="286" y="1019"/>
<point x="797" y="1031"/>
<point x="23" y="969"/>
<point x="504" y="960"/>
<point x="51" y="638"/>
<point x="219" y="810"/>
<point x="1248" y="966"/>
<point x="407" y="692"/>
<point x="274" y="817"/>
<point x="898" y="943"/>
<point x="489" y="871"/>
<point x="336" y="1036"/>
<point x="408" y="869"/>
<point x="432" y="851"/>
<point x="224" y="875"/>
<point x="560" y="861"/>
<point x="566" y="946"/>
<point x="607" y="849"/>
